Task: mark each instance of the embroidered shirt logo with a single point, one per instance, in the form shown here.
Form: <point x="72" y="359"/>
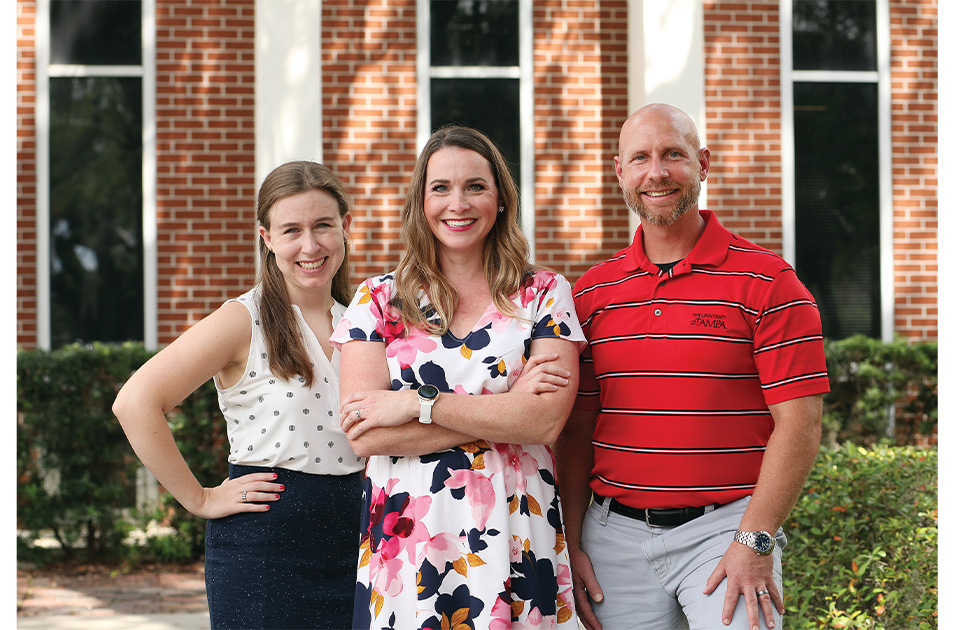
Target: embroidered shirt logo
<point x="707" y="320"/>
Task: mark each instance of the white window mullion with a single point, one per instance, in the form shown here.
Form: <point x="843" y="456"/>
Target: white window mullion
<point x="527" y="181"/>
<point x="150" y="253"/>
<point x="885" y="171"/>
<point x="423" y="72"/>
<point x="43" y="175"/>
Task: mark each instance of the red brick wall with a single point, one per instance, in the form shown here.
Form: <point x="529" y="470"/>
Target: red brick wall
<point x="914" y="88"/>
<point x="370" y="121"/>
<point x="26" y="175"/>
<point x="206" y="185"/>
<point x="744" y="118"/>
<point x="370" y="118"/>
<point x="205" y="109"/>
<point x="580" y="89"/>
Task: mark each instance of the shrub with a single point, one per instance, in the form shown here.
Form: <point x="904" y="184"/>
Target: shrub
<point x="870" y="380"/>
<point x="863" y="541"/>
<point x="75" y="468"/>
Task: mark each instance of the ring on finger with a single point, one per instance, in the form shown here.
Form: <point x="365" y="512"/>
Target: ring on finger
<point x="764" y="591"/>
<point x="357" y="414"/>
<point x="244" y="496"/>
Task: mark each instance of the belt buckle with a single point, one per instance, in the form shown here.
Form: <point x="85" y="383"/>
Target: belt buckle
<point x="648" y="522"/>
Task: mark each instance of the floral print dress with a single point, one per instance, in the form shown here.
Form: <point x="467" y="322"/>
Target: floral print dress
<point x="470" y="537"/>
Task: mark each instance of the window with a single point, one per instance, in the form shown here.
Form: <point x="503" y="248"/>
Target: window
<point x="93" y="111"/>
<point x="476" y="69"/>
<point x="838" y="172"/>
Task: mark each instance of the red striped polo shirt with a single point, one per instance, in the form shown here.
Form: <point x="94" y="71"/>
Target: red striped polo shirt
<point x="682" y="366"/>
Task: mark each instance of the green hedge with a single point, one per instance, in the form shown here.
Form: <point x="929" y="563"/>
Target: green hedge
<point x="65" y="424"/>
<point x="75" y="469"/>
<point x="863" y="541"/>
<point x="869" y="379"/>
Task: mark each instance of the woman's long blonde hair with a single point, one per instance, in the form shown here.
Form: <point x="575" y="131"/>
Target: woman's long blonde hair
<point x="506" y="251"/>
<point x="287" y="354"/>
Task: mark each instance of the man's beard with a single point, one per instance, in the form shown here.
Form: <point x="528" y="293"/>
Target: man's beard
<point x="664" y="216"/>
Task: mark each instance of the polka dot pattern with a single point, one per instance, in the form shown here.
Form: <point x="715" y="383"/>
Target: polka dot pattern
<point x="270" y="421"/>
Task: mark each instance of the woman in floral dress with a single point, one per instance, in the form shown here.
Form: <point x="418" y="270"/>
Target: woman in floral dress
<point x="461" y="526"/>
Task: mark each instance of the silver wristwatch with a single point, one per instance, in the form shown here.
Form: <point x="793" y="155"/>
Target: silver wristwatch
<point x="761" y="543"/>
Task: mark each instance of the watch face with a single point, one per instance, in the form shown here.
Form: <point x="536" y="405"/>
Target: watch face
<point x="427" y="391"/>
<point x="763" y="542"/>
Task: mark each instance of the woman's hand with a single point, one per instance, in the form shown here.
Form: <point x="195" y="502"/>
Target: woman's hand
<point x="541" y="374"/>
<point x="362" y="411"/>
<point x="242" y="494"/>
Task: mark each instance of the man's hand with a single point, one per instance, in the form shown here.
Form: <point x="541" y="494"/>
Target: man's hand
<point x="584" y="587"/>
<point x="747" y="573"/>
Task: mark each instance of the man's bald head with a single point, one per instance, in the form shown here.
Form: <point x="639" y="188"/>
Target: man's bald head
<point x="657" y="117"/>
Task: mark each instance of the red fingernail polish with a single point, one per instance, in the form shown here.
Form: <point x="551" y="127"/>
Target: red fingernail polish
<point x="281" y="487"/>
<point x="277" y="496"/>
<point x="274" y="475"/>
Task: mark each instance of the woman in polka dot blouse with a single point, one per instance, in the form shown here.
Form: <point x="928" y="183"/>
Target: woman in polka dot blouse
<point x="282" y="530"/>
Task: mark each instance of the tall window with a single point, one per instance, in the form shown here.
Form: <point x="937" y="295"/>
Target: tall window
<point x="476" y="69"/>
<point x="840" y="166"/>
<point x="95" y="171"/>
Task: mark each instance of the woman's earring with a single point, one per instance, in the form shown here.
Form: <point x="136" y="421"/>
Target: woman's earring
<point x="500" y="209"/>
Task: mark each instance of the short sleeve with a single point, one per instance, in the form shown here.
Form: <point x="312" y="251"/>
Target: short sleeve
<point x="366" y="317"/>
<point x="555" y="315"/>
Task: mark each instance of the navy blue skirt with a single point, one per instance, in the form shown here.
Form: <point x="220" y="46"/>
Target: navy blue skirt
<point x="293" y="566"/>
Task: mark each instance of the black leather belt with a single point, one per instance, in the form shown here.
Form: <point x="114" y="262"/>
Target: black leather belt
<point x="657" y="517"/>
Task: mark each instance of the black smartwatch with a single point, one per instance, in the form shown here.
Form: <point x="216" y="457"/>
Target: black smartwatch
<point x="428" y="395"/>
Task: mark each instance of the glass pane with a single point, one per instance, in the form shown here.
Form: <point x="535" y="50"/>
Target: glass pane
<point x="96" y="253"/>
<point x="475" y="33"/>
<point x="96" y="32"/>
<point x="837" y="214"/>
<point x="834" y="35"/>
<point x="490" y="105"/>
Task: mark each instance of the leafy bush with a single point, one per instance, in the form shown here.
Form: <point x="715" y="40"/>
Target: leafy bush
<point x="870" y="380"/>
<point x="863" y="541"/>
<point x="74" y="466"/>
<point x="75" y="469"/>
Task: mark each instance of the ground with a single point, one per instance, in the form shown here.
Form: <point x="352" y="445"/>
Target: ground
<point x="105" y="590"/>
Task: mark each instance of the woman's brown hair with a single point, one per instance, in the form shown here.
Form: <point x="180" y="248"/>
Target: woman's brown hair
<point x="287" y="355"/>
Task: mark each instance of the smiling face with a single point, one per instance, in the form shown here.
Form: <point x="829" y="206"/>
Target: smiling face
<point x="660" y="165"/>
<point x="306" y="234"/>
<point x="460" y="200"/>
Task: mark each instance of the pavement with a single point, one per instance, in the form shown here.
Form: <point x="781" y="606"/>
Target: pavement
<point x="110" y="598"/>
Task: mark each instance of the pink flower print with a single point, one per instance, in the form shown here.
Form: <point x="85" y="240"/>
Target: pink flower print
<point x="479" y="492"/>
<point x="537" y="621"/>
<point x="441" y="549"/>
<point x="516" y="548"/>
<point x="405" y="350"/>
<point x="501" y="612"/>
<point x="514" y="462"/>
<point x="564" y="578"/>
<point x="542" y="281"/>
<point x="497" y="320"/>
<point x="385" y="573"/>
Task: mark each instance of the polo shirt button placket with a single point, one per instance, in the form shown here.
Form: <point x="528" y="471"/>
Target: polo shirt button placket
<point x="657" y="312"/>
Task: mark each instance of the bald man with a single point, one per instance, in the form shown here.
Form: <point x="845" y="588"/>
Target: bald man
<point x="698" y="415"/>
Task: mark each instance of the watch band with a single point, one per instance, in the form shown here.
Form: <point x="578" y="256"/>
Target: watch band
<point x="761" y="542"/>
<point x="427" y="395"/>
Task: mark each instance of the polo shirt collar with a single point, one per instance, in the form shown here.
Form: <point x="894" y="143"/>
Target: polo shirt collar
<point x="711" y="249"/>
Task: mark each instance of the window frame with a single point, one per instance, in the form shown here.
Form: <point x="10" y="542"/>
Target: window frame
<point x="147" y="73"/>
<point x="882" y="78"/>
<point x="523" y="72"/>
